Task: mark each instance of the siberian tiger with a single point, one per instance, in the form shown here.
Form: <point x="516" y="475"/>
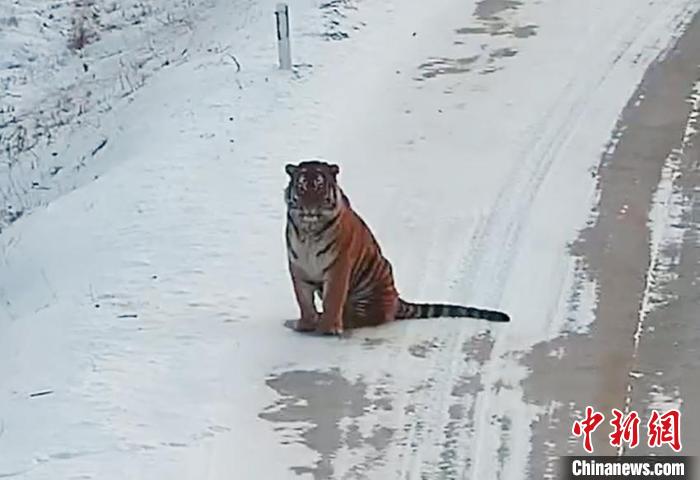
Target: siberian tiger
<point x="333" y="253"/>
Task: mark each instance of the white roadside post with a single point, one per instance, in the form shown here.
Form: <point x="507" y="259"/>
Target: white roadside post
<point x="282" y="15"/>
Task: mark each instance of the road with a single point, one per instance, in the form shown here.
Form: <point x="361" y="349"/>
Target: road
<point x="504" y="158"/>
<point x="641" y="352"/>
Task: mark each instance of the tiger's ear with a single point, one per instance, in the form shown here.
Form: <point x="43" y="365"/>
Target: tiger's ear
<point x="290" y="168"/>
<point x="335" y="169"/>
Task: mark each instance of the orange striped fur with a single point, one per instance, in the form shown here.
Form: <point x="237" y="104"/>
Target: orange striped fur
<point x="332" y="253"/>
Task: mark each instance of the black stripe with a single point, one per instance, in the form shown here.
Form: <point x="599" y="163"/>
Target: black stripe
<point x="376" y="268"/>
<point x="499" y="317"/>
<point x="432" y="310"/>
<point x="318" y="285"/>
<point x="290" y="220"/>
<point x="289" y="244"/>
<point x="346" y="200"/>
<point x="328" y="225"/>
<point x="327" y="247"/>
<point x="330" y="265"/>
<point x="360" y="275"/>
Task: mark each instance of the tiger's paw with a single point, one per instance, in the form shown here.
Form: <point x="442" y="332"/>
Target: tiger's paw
<point x="325" y="328"/>
<point x="305" y="325"/>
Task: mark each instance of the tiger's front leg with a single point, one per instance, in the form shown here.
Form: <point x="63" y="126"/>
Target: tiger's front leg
<point x="335" y="294"/>
<point x="304" y="293"/>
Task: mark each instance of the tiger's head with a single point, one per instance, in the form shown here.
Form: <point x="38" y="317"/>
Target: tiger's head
<point x="312" y="194"/>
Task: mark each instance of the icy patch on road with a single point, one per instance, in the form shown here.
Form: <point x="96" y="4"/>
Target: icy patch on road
<point x="662" y="401"/>
<point x="666" y="222"/>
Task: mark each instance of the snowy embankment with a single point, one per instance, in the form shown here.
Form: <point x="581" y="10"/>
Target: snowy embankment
<point x="150" y="303"/>
<point x="66" y="64"/>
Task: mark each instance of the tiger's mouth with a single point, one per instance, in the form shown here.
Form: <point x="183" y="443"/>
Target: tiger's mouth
<point x="309" y="217"/>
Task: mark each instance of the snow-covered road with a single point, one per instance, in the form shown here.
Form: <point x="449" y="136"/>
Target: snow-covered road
<point x="150" y="304"/>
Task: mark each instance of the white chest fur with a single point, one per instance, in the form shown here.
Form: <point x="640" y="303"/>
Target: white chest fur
<point x="307" y="255"/>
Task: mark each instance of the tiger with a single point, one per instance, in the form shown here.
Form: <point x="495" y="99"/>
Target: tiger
<point x="332" y="253"/>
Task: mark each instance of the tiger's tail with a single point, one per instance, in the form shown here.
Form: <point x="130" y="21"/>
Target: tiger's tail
<point x="408" y="310"/>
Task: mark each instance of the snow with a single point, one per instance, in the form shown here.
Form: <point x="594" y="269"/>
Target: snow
<point x="667" y="230"/>
<point x="151" y="300"/>
<point x="666" y="221"/>
<point x="662" y="402"/>
<point x="55" y="111"/>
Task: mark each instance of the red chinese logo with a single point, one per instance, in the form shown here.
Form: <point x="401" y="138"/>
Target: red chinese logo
<point x="665" y="429"/>
<point x="587" y="426"/>
<point x="661" y="429"/>
<point x="626" y="429"/>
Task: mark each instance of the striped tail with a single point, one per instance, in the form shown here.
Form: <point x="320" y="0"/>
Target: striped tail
<point x="408" y="310"/>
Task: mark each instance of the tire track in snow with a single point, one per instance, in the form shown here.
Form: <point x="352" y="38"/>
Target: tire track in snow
<point x="560" y="136"/>
<point x="490" y="267"/>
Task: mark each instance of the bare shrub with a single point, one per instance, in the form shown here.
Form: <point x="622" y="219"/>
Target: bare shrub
<point x="85" y="24"/>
